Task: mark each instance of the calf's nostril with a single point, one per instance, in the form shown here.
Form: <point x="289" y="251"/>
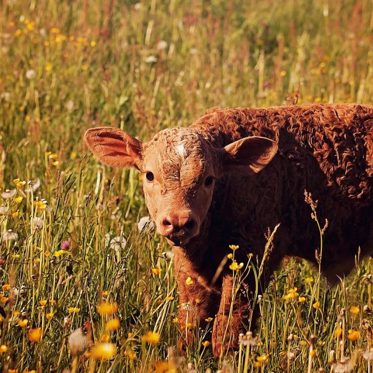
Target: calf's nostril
<point x="166" y="222"/>
<point x="189" y="224"/>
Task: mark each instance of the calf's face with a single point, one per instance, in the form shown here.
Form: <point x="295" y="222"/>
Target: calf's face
<point x="179" y="169"/>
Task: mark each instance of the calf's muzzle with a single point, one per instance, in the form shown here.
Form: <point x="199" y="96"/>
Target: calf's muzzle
<point x="178" y="226"/>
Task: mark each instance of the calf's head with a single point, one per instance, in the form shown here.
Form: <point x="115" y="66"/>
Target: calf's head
<point x="179" y="168"/>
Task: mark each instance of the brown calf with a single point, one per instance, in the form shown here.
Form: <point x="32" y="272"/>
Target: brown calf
<point x="233" y="176"/>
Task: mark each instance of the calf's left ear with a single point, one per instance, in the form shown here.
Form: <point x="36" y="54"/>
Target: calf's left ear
<point x="249" y="155"/>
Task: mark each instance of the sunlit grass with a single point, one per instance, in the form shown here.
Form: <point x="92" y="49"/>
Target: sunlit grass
<point x="72" y="253"/>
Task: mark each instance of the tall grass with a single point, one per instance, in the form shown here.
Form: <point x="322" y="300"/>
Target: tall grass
<point x="73" y="242"/>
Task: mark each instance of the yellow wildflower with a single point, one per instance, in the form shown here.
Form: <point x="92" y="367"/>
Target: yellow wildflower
<point x="316" y="305"/>
<point x="230" y="256"/>
<point x="3" y="299"/>
<point x="234" y="266"/>
<point x="93" y="43"/>
<point x="105" y="338"/>
<point x="112" y="325"/>
<point x="313" y="353"/>
<point x="43" y="302"/>
<point x="175" y="320"/>
<point x="309" y="280"/>
<point x="54" y="30"/>
<point x="18" y="199"/>
<point x="354" y="310"/>
<point x="48" y="67"/>
<point x="292" y="294"/>
<point x="260" y="361"/>
<point x="52" y="156"/>
<point x="353" y="335"/>
<point x="19" y="183"/>
<point x="338" y="332"/>
<point x="34" y="335"/>
<point x="49" y="315"/>
<point x="3" y="349"/>
<point x="301" y="299"/>
<point x="262" y="358"/>
<point x="103" y="351"/>
<point x="152" y="338"/>
<point x="156" y="271"/>
<point x="130" y="354"/>
<point x="73" y="309"/>
<point x="22" y="323"/>
<point x="6" y="287"/>
<point x="59" y="253"/>
<point x="234" y="247"/>
<point x="205" y="344"/>
<point x="209" y="319"/>
<point x="107" y="308"/>
<point x="189" y="281"/>
<point x="40" y="205"/>
<point x="30" y="25"/>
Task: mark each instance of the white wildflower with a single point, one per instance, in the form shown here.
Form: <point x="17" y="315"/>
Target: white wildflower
<point x="167" y="254"/>
<point x="5" y="96"/>
<point x="32" y="186"/>
<point x="347" y="364"/>
<point x="70" y="106"/>
<point x="151" y="59"/>
<point x="9" y="193"/>
<point x="145" y="223"/>
<point x="4" y="210"/>
<point x="9" y="236"/>
<point x="248" y="339"/>
<point x="162" y="45"/>
<point x="78" y="342"/>
<point x="30" y="74"/>
<point x="37" y="222"/>
<point x="116" y="243"/>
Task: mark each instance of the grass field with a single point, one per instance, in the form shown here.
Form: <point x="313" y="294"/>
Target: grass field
<point x="69" y="234"/>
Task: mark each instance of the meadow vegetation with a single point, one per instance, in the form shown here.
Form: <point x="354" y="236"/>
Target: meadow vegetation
<point x="76" y="250"/>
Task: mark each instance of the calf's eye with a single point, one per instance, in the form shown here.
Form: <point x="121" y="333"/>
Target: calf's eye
<point x="208" y="181"/>
<point x="149" y="176"/>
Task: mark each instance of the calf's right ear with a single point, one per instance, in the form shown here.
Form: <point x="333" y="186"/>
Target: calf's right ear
<point x="114" y="147"/>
